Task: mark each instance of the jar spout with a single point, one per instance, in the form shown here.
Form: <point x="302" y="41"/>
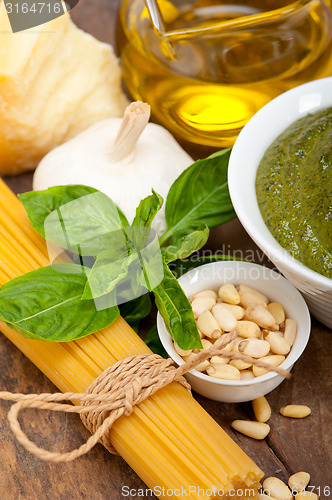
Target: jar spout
<point x="159" y="26"/>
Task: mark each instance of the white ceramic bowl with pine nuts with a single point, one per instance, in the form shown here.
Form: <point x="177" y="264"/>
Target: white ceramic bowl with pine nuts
<point x="249" y="148"/>
<point x="264" y="280"/>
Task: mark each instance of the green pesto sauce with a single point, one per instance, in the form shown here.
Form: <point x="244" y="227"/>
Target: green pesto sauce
<point x="294" y="190"/>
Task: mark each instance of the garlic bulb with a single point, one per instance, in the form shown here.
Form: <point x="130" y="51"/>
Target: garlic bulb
<point x="124" y="158"/>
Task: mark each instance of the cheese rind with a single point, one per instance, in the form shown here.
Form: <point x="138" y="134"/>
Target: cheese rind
<point x="55" y="81"/>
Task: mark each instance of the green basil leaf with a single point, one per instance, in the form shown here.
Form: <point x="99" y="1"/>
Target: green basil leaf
<point x="199" y="196"/>
<point x="107" y="272"/>
<point x="182" y="245"/>
<point x="86" y="225"/>
<point x="180" y="267"/>
<point x="77" y="218"/>
<point x="139" y="233"/>
<point x="136" y="310"/>
<point x="152" y="340"/>
<point x="39" y="204"/>
<point x="147" y="210"/>
<point x="176" y="311"/>
<point x="46" y="305"/>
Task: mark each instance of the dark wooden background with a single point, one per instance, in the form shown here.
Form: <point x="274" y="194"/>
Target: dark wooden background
<point x="292" y="445"/>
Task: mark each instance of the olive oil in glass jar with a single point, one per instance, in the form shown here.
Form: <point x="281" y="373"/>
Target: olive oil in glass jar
<point x="215" y="63"/>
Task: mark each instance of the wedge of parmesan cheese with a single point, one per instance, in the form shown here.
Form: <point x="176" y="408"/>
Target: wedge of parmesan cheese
<point x="55" y="81"/>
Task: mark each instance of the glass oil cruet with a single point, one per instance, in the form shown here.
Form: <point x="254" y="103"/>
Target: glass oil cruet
<point x="206" y="66"/>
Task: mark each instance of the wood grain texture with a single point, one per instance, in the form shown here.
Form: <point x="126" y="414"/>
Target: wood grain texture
<point x="292" y="445"/>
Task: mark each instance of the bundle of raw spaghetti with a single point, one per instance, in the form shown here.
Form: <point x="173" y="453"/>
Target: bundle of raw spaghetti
<point x="169" y="439"/>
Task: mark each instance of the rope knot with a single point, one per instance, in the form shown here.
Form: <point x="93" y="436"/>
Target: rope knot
<point x="122" y="386"/>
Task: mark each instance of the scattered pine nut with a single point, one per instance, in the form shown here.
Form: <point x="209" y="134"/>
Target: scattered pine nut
<point x="277" y="488"/>
<point x="262" y="409"/>
<point x="299" y="481"/>
<point x="295" y="411"/>
<point x="262" y="496"/>
<point x="255" y="430"/>
<point x="306" y="495"/>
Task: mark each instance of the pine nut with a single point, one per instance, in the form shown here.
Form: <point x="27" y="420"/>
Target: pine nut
<point x="277" y="312"/>
<point x="225" y="318"/>
<point x="245" y="288"/>
<point x="255" y="348"/>
<point x="263" y="332"/>
<point x="247" y="375"/>
<point x="255" y="430"/>
<point x="180" y="351"/>
<point x="207" y="323"/>
<point x="262" y="496"/>
<point x="262" y="409"/>
<point x="226" y="372"/>
<point x="206" y="293"/>
<point x="306" y="495"/>
<point x="229" y="294"/>
<point x="261" y="316"/>
<point x="250" y="296"/>
<point x="277" y="343"/>
<point x="219" y="360"/>
<point x="240" y="364"/>
<point x="248" y="329"/>
<point x="274" y="359"/>
<point x="299" y="481"/>
<point x="201" y="304"/>
<point x="290" y="331"/>
<point x="216" y="334"/>
<point x="206" y="345"/>
<point x="201" y="334"/>
<point x="295" y="411"/>
<point x="201" y="367"/>
<point x="237" y="311"/>
<point x="277" y="488"/>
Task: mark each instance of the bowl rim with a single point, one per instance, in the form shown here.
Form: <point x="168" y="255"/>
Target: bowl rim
<point x="256" y="127"/>
<point x="287" y="364"/>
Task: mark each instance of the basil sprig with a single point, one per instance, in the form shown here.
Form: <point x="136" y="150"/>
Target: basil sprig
<point x="68" y="301"/>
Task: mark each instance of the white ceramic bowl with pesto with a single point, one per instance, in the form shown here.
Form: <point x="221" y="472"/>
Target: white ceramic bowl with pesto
<point x="249" y="148"/>
<point x="266" y="281"/>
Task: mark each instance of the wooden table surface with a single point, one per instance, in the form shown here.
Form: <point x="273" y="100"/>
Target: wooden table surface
<point x="292" y="445"/>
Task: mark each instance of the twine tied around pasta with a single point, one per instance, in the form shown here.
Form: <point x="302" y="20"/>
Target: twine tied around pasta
<point x="115" y="393"/>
